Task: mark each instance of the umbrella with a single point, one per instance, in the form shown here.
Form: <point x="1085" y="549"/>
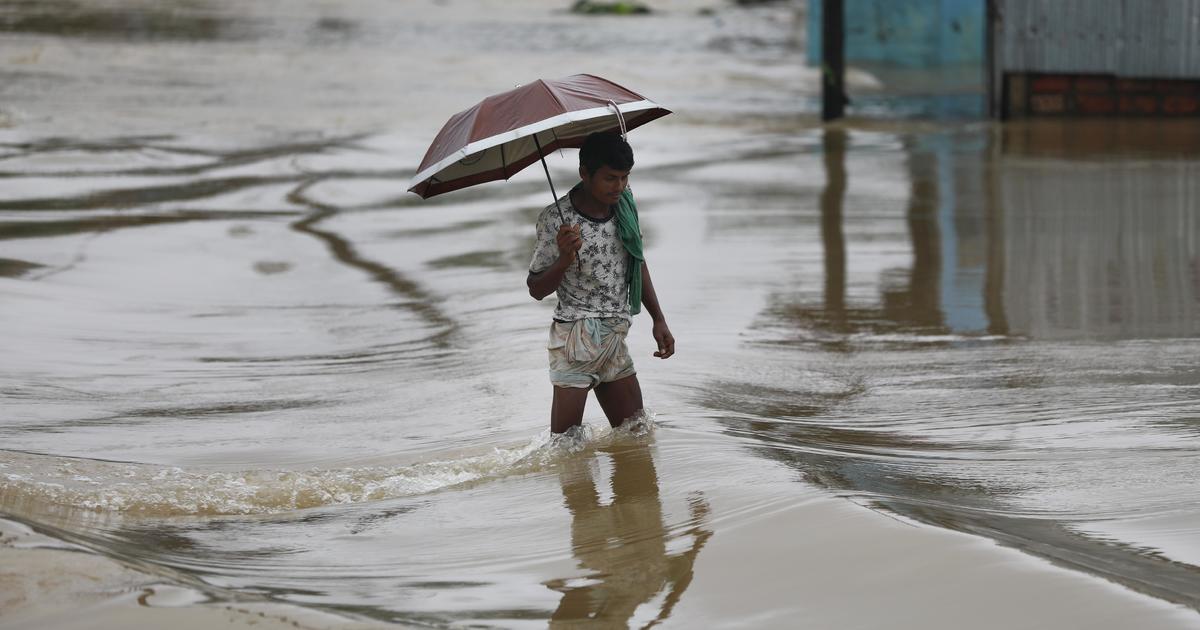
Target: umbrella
<point x="506" y="132"/>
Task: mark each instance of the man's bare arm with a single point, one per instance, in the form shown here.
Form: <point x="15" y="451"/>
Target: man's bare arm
<point x="546" y="281"/>
<point x="662" y="334"/>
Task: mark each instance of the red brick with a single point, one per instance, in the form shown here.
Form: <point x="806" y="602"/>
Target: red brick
<point x="1181" y="105"/>
<point x="1048" y="103"/>
<point x="1050" y="84"/>
<point x="1139" y="104"/>
<point x="1134" y="85"/>
<point x="1095" y="103"/>
<point x="1178" y="87"/>
<point x="1093" y="85"/>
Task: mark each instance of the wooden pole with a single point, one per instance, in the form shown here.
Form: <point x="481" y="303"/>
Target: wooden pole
<point x="833" y="59"/>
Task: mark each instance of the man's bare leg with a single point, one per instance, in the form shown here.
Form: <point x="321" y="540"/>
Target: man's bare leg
<point x="621" y="400"/>
<point x="567" y="409"/>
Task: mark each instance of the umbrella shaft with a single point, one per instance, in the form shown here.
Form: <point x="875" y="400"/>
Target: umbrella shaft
<point x="547" y="169"/>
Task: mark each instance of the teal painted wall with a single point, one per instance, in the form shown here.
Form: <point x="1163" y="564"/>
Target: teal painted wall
<point x="907" y="33"/>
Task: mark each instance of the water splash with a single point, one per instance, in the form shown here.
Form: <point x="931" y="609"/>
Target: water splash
<point x="157" y="491"/>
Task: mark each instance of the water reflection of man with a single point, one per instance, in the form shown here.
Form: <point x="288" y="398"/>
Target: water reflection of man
<point x="623" y="545"/>
<point x="590" y="255"/>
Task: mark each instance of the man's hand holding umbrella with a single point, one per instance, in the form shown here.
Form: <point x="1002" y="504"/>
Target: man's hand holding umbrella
<point x="570" y="240"/>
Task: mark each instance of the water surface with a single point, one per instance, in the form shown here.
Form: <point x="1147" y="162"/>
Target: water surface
<point x="237" y="353"/>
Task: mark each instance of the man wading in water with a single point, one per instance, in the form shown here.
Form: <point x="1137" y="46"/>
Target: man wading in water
<point x="593" y="261"/>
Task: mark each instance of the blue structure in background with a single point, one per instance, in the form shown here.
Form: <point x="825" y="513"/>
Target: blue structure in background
<point x="907" y="33"/>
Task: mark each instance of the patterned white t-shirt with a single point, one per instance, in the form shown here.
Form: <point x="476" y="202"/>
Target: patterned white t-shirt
<point x="596" y="284"/>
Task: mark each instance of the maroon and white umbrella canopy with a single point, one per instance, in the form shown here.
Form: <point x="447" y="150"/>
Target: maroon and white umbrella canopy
<point x="507" y="132"/>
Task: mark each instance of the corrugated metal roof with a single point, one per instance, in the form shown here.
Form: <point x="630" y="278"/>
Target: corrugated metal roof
<point x="1134" y="38"/>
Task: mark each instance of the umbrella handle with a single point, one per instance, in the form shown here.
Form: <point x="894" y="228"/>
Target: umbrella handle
<point x="620" y="121"/>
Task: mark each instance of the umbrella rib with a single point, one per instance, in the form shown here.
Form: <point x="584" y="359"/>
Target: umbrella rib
<point x="552" y="94"/>
<point x="555" y="134"/>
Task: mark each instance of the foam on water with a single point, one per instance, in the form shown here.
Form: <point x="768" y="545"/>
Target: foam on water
<point x="150" y="490"/>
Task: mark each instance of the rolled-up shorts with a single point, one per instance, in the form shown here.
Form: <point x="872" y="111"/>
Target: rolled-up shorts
<point x="587" y="352"/>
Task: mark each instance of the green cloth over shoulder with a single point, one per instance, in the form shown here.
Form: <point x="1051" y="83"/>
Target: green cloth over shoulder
<point x="631" y="236"/>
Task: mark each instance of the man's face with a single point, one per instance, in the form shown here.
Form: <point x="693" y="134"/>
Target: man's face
<point x="605" y="184"/>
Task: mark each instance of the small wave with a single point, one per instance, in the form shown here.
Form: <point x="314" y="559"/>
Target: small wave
<point x="148" y="490"/>
<point x="916" y="339"/>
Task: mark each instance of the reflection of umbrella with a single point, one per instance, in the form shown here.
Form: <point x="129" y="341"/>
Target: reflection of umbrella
<point x="507" y="132"/>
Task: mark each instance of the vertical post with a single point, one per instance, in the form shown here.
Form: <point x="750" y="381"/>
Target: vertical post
<point x="991" y="17"/>
<point x="833" y="59"/>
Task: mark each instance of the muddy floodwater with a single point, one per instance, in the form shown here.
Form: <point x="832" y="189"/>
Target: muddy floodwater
<point x="929" y="373"/>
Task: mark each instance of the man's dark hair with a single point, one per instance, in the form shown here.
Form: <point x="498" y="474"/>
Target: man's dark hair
<point x="604" y="148"/>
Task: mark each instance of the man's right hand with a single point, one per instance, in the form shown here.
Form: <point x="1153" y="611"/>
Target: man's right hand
<point x="570" y="239"/>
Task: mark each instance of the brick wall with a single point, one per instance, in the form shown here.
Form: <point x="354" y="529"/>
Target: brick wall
<point x="1098" y="95"/>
